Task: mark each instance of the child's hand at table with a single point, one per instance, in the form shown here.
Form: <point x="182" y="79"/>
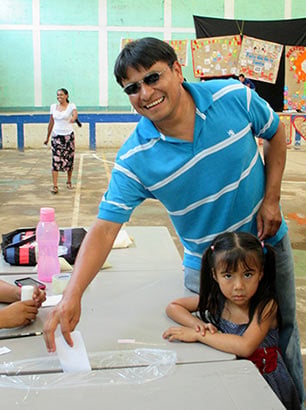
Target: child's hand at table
<point x="201" y="327"/>
<point x="189" y="334"/>
<point x="39" y="296"/>
<point x="182" y="333"/>
<point x="18" y="314"/>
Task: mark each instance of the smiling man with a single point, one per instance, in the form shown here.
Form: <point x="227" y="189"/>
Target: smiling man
<point x="194" y="150"/>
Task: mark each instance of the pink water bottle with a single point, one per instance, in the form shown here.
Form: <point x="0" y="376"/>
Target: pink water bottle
<point x="47" y="237"/>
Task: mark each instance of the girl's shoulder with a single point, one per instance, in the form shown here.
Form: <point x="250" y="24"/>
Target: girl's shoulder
<point x="271" y="307"/>
<point x="270" y="313"/>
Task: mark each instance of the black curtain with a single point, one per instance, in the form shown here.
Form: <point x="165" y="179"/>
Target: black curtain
<point x="286" y="32"/>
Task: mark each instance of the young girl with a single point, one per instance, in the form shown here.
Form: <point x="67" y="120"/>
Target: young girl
<point x="237" y="309"/>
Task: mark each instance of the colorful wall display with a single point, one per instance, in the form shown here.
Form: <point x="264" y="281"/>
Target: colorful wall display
<point x="124" y="42"/>
<point x="180" y="47"/>
<point x="295" y="78"/>
<point x="299" y="125"/>
<point x="215" y="56"/>
<point x="286" y="121"/>
<point x="259" y="59"/>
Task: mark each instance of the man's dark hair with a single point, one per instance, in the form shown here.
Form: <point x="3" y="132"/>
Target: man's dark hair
<point x="143" y="53"/>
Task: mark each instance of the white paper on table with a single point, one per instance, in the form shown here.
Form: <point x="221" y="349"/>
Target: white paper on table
<point x="72" y="359"/>
<point x="4" y="350"/>
<point x="52" y="300"/>
<point x="122" y="240"/>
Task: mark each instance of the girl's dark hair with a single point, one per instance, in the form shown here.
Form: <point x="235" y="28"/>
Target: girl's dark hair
<point x="143" y="53"/>
<point x="65" y="92"/>
<point x="234" y="248"/>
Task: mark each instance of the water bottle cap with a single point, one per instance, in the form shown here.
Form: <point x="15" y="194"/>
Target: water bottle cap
<point x="47" y="214"/>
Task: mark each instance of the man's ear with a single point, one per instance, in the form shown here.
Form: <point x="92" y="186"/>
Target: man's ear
<point x="177" y="68"/>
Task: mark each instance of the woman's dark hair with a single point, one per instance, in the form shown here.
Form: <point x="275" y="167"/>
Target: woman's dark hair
<point x="231" y="249"/>
<point x="65" y="92"/>
<point x="143" y="53"/>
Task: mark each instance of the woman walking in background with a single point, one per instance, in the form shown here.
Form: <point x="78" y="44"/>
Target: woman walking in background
<point x="62" y="116"/>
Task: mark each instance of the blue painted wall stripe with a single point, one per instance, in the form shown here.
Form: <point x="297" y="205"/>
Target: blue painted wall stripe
<point x="92" y="119"/>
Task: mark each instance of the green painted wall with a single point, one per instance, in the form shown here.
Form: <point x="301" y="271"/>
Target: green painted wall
<point x="48" y="44"/>
<point x="135" y="13"/>
<point x="68" y="12"/>
<point x="183" y="10"/>
<point x="69" y="59"/>
<point x="258" y="10"/>
<point x="16" y="68"/>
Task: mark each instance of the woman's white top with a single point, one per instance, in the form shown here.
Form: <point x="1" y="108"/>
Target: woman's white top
<point x="62" y="126"/>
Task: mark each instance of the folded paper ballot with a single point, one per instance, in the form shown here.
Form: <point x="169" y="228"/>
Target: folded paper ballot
<point x="122" y="240"/>
<point x="73" y="359"/>
<point x="52" y="300"/>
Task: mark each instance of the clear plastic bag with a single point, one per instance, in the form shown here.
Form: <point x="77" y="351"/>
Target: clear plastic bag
<point x="108" y="368"/>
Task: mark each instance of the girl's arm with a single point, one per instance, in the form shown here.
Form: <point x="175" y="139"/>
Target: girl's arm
<point x="242" y="346"/>
<point x="180" y="310"/>
<point x="9" y="293"/>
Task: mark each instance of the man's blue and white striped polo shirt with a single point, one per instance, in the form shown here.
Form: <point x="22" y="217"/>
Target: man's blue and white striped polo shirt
<point x="212" y="185"/>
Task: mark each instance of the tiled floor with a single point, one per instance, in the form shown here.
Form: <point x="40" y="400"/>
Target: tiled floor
<point x="25" y="181"/>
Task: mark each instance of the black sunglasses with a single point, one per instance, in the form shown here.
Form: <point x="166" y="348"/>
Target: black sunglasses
<point x="149" y="79"/>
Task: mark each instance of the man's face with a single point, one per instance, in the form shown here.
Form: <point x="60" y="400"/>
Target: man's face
<point x="157" y="101"/>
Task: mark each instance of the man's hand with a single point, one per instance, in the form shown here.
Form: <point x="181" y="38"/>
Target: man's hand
<point x="269" y="219"/>
<point x="67" y="313"/>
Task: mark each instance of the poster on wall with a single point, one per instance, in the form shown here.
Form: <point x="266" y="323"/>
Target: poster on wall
<point x="180" y="48"/>
<point x="295" y="78"/>
<point x="259" y="59"/>
<point x="124" y="42"/>
<point x="286" y="121"/>
<point x="215" y="56"/>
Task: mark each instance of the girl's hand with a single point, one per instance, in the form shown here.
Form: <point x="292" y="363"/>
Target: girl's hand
<point x="202" y="327"/>
<point x="182" y="333"/>
<point x="39" y="296"/>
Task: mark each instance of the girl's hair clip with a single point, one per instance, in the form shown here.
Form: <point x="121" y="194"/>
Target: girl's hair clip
<point x="212" y="248"/>
<point x="262" y="244"/>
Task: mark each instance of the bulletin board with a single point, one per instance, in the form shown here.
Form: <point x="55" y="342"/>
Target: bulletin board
<point x="124" y="42"/>
<point x="259" y="59"/>
<point x="299" y="124"/>
<point x="215" y="56"/>
<point x="286" y="121"/>
<point x="295" y="78"/>
<point x="180" y="48"/>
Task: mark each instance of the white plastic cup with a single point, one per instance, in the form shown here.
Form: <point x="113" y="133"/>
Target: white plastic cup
<point x="59" y="283"/>
<point x="27" y="292"/>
